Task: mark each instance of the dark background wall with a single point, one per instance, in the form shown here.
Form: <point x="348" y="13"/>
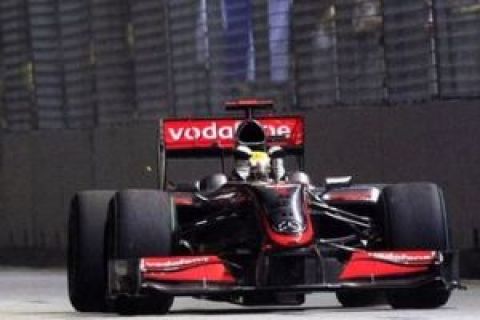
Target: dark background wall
<point x="42" y="170"/>
<point x="436" y="142"/>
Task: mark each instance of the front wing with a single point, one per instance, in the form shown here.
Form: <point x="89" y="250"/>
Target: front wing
<point x="211" y="275"/>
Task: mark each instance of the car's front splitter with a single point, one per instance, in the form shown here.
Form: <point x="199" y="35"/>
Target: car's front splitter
<point x="210" y="275"/>
<point x="194" y="289"/>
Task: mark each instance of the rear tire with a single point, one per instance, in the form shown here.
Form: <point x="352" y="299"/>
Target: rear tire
<point x="416" y="218"/>
<point x="144" y="221"/>
<point x="86" y="266"/>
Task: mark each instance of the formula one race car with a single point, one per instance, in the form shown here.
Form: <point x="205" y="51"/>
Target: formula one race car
<point x="258" y="234"/>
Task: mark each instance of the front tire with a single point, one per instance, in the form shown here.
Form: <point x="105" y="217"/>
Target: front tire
<point x="86" y="267"/>
<point x="428" y="297"/>
<point x="349" y="298"/>
<point x="143" y="223"/>
<point x="416" y="218"/>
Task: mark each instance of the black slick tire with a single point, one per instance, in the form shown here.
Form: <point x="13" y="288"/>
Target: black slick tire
<point x="349" y="298"/>
<point x="143" y="223"/>
<point x="85" y="250"/>
<point x="416" y="218"/>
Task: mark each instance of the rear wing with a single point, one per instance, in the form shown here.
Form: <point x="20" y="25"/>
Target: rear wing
<point x="200" y="135"/>
<point x="206" y="137"/>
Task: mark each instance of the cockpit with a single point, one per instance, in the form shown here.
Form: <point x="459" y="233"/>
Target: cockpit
<point x="255" y="161"/>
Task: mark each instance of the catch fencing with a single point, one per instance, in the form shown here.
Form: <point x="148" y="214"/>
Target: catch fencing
<point x="94" y="63"/>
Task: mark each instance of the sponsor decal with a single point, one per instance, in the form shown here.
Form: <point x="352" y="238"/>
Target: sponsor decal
<point x="290" y="226"/>
<point x="404" y="257"/>
<point x="174" y="264"/>
<point x="207" y="133"/>
<point x="385" y="264"/>
<point x="187" y="269"/>
<point x="213" y="132"/>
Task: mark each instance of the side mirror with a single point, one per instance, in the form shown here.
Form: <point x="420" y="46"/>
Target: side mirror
<point x="300" y="177"/>
<point x="211" y="183"/>
<point x="338" y="182"/>
<point x="196" y="186"/>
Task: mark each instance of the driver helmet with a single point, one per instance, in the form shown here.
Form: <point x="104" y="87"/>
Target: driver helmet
<point x="251" y="164"/>
<point x="259" y="165"/>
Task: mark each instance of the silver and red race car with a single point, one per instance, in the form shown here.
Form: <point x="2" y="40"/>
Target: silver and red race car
<point x="256" y="233"/>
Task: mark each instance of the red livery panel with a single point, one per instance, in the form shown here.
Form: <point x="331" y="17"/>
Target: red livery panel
<point x="353" y="195"/>
<point x="383" y="264"/>
<point x="186" y="269"/>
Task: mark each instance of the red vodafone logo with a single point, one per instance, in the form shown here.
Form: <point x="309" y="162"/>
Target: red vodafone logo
<point x="207" y="133"/>
<point x="211" y="131"/>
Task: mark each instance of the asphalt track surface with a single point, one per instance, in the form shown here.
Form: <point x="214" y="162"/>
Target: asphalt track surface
<point x="42" y="294"/>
